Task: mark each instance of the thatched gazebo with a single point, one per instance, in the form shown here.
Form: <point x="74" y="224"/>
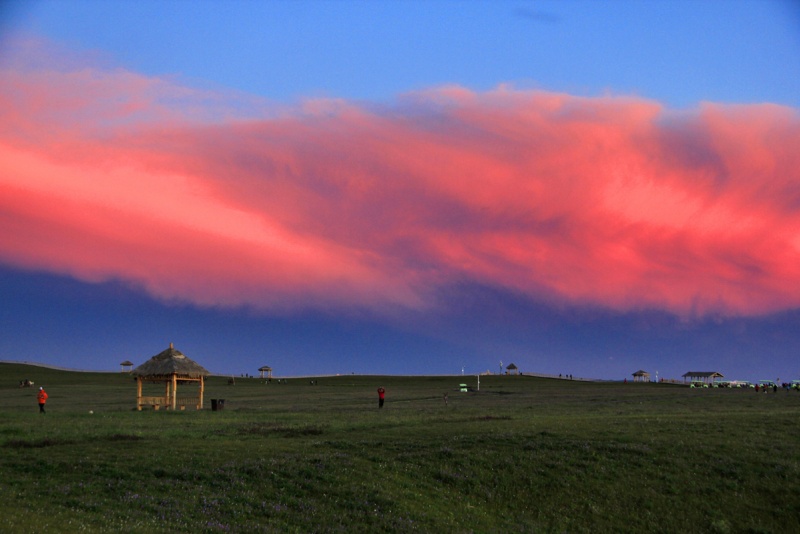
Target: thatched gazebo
<point x="127" y="365"/>
<point x="641" y="376"/>
<point x="169" y="367"/>
<point x="512" y="369"/>
<point x="265" y="369"/>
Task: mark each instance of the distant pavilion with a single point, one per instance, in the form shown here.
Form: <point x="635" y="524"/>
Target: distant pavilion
<point x="170" y="367"/>
<point x="265" y="369"/>
<point x="706" y="377"/>
<point x="127" y="365"/>
<point x="641" y="376"/>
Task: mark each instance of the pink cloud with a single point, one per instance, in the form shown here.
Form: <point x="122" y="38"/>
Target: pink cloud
<point x="617" y="202"/>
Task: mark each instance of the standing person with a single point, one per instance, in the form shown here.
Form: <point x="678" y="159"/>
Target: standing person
<point x="381" y="395"/>
<point x="42" y="398"/>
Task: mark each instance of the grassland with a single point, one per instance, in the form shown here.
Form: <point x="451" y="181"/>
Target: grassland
<point x="523" y="454"/>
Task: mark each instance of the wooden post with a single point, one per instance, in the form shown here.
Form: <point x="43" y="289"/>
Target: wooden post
<point x="174" y="402"/>
<point x="139" y="393"/>
<point x="202" y="387"/>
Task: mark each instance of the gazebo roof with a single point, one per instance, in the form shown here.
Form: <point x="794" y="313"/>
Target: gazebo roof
<point x="265" y="368"/>
<point x="127" y="362"/>
<point x="511" y="366"/>
<point x="703" y="374"/>
<point x="641" y="373"/>
<point x="168" y="362"/>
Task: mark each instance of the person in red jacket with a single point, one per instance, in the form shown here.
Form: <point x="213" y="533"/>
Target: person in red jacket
<point x="42" y="398"/>
<point x="381" y="394"/>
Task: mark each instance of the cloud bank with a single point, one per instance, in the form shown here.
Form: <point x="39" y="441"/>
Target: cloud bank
<point x="218" y="199"/>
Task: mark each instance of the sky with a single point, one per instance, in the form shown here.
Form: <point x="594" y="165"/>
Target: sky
<point x="576" y="187"/>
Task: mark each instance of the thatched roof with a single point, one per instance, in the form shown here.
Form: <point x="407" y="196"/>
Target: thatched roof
<point x="168" y="362"/>
<point x="511" y="366"/>
<point x="127" y="362"/>
<point x="641" y="373"/>
<point x="265" y="368"/>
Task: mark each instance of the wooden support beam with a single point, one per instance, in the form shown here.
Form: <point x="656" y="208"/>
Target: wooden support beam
<point x="174" y="401"/>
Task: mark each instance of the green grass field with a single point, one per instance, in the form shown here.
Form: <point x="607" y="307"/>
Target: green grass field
<point x="523" y="454"/>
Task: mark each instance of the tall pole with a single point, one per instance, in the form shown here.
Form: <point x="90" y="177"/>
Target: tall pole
<point x="174" y="401"/>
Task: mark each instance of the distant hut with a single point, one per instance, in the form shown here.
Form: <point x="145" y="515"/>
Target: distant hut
<point x="169" y="367"/>
<point x="512" y="369"/>
<point x="641" y="376"/>
<point x="127" y="365"/>
<point x="706" y="377"/>
<point x="265" y="369"/>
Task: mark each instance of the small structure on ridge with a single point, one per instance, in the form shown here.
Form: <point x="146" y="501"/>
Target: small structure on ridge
<point x="127" y="365"/>
<point x="641" y="376"/>
<point x="706" y="377"/>
<point x="169" y="367"/>
<point x="512" y="369"/>
<point x="265" y="369"/>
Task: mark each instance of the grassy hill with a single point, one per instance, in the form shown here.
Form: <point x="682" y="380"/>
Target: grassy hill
<point x="522" y="454"/>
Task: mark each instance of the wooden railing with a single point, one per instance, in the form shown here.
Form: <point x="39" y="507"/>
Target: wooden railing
<point x="187" y="401"/>
<point x="157" y="402"/>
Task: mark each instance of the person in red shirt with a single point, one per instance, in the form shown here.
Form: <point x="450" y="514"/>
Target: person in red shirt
<point x="381" y="395"/>
<point x="42" y="398"/>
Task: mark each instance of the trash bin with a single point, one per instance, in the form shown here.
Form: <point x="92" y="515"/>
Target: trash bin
<point x="217" y="404"/>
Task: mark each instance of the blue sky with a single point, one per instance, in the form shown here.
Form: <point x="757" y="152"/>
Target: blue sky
<point x="679" y="53"/>
<point x="358" y="131"/>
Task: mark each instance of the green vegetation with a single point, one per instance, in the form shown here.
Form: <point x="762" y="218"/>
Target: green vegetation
<point x="522" y="454"/>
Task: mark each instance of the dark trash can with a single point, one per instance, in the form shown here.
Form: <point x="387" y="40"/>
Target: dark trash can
<point x="217" y="404"/>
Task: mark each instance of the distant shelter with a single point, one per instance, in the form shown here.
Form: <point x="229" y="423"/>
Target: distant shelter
<point x="706" y="377"/>
<point x="512" y="369"/>
<point x="169" y="367"/>
<point x="127" y="366"/>
<point x="641" y="376"/>
<point x="265" y="369"/>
